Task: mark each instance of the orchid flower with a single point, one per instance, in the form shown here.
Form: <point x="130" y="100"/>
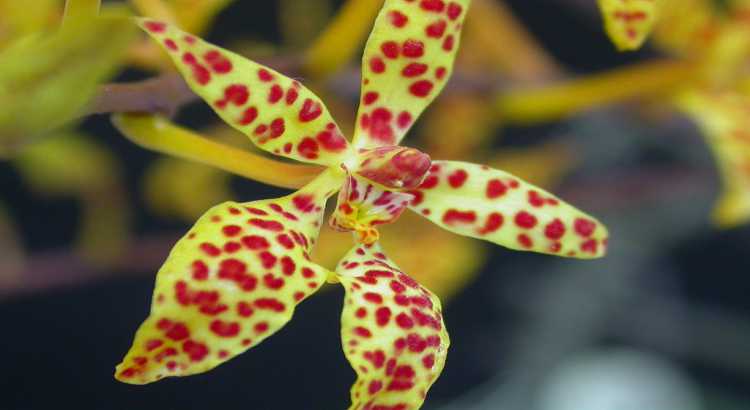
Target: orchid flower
<point x="708" y="82"/>
<point x="238" y="274"/>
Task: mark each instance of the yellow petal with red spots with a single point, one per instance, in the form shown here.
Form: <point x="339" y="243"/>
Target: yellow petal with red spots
<point x="231" y="282"/>
<point x="277" y="113"/>
<point x="629" y="22"/>
<point x="724" y="120"/>
<point x="407" y="61"/>
<point x="490" y="204"/>
<point x="392" y="332"/>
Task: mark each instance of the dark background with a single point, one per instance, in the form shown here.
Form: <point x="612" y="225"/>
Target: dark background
<point x="674" y="288"/>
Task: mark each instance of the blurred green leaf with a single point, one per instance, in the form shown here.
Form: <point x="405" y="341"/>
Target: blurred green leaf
<point x="47" y="79"/>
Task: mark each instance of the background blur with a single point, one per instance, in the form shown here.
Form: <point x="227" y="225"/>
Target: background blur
<point x="662" y="323"/>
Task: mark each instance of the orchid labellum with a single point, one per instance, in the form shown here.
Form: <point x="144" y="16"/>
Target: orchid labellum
<point x="237" y="276"/>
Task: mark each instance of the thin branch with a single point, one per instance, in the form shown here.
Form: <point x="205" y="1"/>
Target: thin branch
<point x="164" y="94"/>
<point x="65" y="268"/>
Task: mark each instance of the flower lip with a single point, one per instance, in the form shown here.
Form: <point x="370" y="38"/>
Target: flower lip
<point x="394" y="167"/>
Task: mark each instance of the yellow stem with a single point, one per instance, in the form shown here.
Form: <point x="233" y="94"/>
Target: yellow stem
<point x="158" y="134"/>
<point x="155" y="9"/>
<point x="570" y="97"/>
<point x="75" y="9"/>
<point x="342" y="37"/>
<point x="518" y="55"/>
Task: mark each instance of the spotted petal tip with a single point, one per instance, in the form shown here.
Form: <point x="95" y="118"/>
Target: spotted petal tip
<point x="490" y="204"/>
<point x="392" y="332"/>
<point x="231" y="282"/>
<point x="629" y="22"/>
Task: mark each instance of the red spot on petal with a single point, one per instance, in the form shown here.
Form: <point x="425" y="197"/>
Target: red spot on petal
<point x="453" y="216"/>
<point x="291" y="96"/>
<point x="170" y="44"/>
<point x="412" y="48"/>
<point x="525" y="220"/>
<point x="277" y="128"/>
<point x="421" y="88"/>
<point x="362" y="332"/>
<point x="155" y="26"/>
<point x="458" y="178"/>
<point x="373" y="297"/>
<point x="495" y="189"/>
<point x="390" y="49"/>
<point x="377" y="65"/>
<point x="435" y="6"/>
<point x="404" y="321"/>
<point x="398" y="19"/>
<point x="210" y="249"/>
<point x="448" y="43"/>
<point x="370" y="97"/>
<point x="248" y="116"/>
<point x="436" y="29"/>
<point x="261" y="327"/>
<point x="382" y="316"/>
<point x="493" y="223"/>
<point x="414" y="70"/>
<point x="275" y="94"/>
<point x="200" y="270"/>
<point x="525" y="241"/>
<point x="196" y="351"/>
<point x="231" y="230"/>
<point x="264" y="75"/>
<point x="404" y="119"/>
<point x="225" y="329"/>
<point x="454" y="10"/>
<point x="554" y="230"/>
<point x="310" y="110"/>
<point x="584" y="227"/>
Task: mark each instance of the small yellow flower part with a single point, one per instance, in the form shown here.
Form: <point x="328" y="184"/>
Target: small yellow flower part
<point x="277" y="113"/>
<point x="392" y="332"/>
<point x="489" y="204"/>
<point x="629" y="22"/>
<point x="407" y="61"/>
<point x="724" y="119"/>
<point x="362" y="206"/>
<point x="231" y="282"/>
